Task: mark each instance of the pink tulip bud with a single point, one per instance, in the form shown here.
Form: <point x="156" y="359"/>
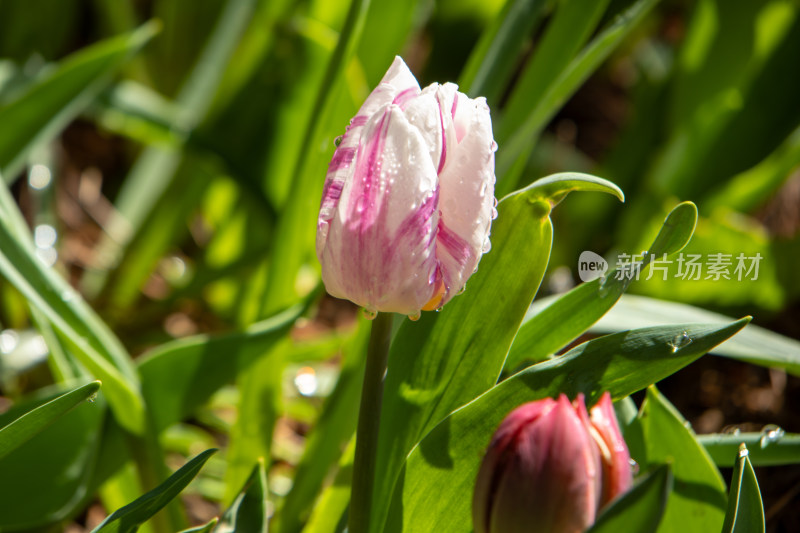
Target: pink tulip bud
<point x="409" y="197"/>
<point x="544" y="471"/>
<point x="614" y="455"/>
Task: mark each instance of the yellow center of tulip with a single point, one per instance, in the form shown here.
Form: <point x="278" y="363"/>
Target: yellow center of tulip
<point x="434" y="302"/>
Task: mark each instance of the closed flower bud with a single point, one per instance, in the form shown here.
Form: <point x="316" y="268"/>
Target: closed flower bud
<point x="409" y="197"/>
<point x="545" y="470"/>
<point x="614" y="455"/>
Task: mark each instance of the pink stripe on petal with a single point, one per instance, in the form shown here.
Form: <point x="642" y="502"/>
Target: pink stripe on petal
<point x="405" y="96"/>
<point x="454" y="245"/>
<point x="359" y="120"/>
<point x="415" y="225"/>
<point x="368" y="166"/>
<point x="342" y="158"/>
<point x="455" y="105"/>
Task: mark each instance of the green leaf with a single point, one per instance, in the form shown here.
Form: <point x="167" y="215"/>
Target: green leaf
<point x="520" y="141"/>
<point x="62" y="457"/>
<point x="43" y="110"/>
<point x="331" y="433"/>
<point x="248" y="513"/>
<point x="330" y="512"/>
<point x="745" y="509"/>
<point x="446" y="461"/>
<point x="205" y="528"/>
<point x="570" y="26"/>
<point x="179" y="376"/>
<point x="495" y="56"/>
<point x="90" y="340"/>
<point x="259" y="408"/>
<point x="129" y="518"/>
<point x="446" y="359"/>
<point x="546" y="329"/>
<point x="640" y="509"/>
<point x="699" y="491"/>
<point x="556" y="187"/>
<point x="754" y="344"/>
<point x="23" y="428"/>
<point x="155" y="169"/>
<point x="770" y="447"/>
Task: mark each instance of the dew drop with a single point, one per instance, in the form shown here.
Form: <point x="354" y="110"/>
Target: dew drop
<point x="414" y="316"/>
<point x="602" y="288"/>
<point x="369" y="314"/>
<point x="494" y="146"/>
<point x="487" y="245"/>
<point x="743" y="451"/>
<point x="494" y="202"/>
<point x="771" y="433"/>
<point x="362" y="204"/>
<point x="494" y="213"/>
<point x="634" y="467"/>
<point x="92" y="398"/>
<point x="337" y="141"/>
<point x="679" y="341"/>
<point x="462" y="289"/>
<point x="68" y="295"/>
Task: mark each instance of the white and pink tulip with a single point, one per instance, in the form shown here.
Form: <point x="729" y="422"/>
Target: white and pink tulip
<point x="409" y="197"/>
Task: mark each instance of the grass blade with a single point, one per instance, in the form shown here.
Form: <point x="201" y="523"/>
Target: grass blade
<point x="23" y="428"/>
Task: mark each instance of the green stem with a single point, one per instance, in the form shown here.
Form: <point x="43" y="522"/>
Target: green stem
<point x="368" y="423"/>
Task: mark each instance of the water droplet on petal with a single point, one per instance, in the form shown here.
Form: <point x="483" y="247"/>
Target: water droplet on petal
<point x="494" y="146"/>
<point x="487" y="245"/>
<point x="337" y="141"/>
<point x="494" y="213"/>
<point x="679" y="341"/>
<point x="462" y="289"/>
<point x="494" y="202"/>
<point x="771" y="433"/>
<point x="369" y="314"/>
<point x="414" y="316"/>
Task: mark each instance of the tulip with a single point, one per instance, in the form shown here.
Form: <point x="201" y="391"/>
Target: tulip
<point x="550" y="468"/>
<point x="408" y="198"/>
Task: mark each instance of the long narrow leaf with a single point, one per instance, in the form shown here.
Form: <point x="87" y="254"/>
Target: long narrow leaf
<point x="545" y="329"/>
<point x="23" y="428"/>
<point x="129" y="518"/>
<point x="745" y="508"/>
<point x="42" y="111"/>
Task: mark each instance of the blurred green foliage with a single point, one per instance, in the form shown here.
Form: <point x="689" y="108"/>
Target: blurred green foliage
<point x="162" y="163"/>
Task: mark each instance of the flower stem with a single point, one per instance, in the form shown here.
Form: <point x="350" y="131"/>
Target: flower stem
<point x="368" y="424"/>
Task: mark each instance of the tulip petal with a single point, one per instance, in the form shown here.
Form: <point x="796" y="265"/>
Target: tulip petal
<point x="466" y="190"/>
<point x="398" y="80"/>
<point x="617" y="475"/>
<point x="548" y="482"/>
<point x="379" y="248"/>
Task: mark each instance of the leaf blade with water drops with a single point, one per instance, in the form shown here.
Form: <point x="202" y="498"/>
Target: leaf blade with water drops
<point x="545" y="329"/>
<point x="446" y="461"/>
<point x="745" y="508"/>
<point x="26" y="426"/>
